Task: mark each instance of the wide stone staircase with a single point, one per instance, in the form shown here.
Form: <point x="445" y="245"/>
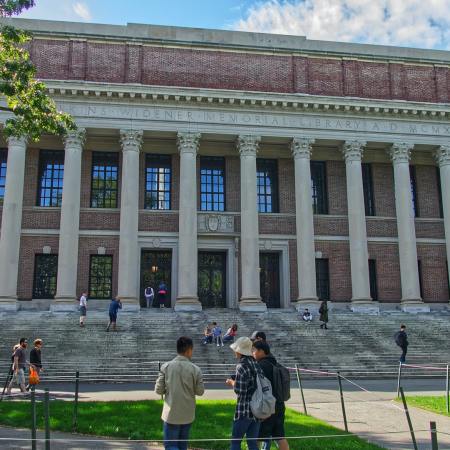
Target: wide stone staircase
<point x="357" y="344"/>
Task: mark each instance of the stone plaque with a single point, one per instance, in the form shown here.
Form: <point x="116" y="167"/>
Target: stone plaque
<point x="215" y="223"/>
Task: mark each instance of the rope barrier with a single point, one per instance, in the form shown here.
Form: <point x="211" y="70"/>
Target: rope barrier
<point x="423" y="367"/>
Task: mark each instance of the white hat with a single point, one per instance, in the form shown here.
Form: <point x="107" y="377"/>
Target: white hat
<point x="243" y="345"/>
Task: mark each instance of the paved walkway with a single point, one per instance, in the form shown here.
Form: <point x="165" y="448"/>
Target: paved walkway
<point x="371" y="413"/>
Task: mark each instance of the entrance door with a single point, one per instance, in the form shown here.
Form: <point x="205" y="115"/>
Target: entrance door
<point x="156" y="267"/>
<point x="212" y="279"/>
<point x="270" y="279"/>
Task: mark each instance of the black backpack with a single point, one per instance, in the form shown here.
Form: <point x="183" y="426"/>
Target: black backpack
<point x="281" y="382"/>
<point x="399" y="339"/>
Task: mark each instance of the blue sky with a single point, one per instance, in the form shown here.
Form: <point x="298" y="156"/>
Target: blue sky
<point x="413" y="23"/>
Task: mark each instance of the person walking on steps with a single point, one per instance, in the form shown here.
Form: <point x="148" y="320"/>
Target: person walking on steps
<point x="19" y="358"/>
<point x="162" y="292"/>
<point x="114" y="307"/>
<point x="401" y="339"/>
<point x="149" y="294"/>
<point x="323" y="311"/>
<point x="83" y="308"/>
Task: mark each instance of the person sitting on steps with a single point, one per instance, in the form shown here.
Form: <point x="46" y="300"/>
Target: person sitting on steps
<point x="307" y="316"/>
<point x="217" y="334"/>
<point x="207" y="335"/>
<point x="230" y="334"/>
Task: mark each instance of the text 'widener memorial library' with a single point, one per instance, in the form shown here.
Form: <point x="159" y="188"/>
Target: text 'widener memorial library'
<point x="243" y="170"/>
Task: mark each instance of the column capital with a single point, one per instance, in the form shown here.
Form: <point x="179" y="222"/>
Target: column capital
<point x="14" y="141"/>
<point x="302" y="147"/>
<point x="188" y="142"/>
<point x="400" y="152"/>
<point x="442" y="155"/>
<point x="131" y="140"/>
<point x="75" y="138"/>
<point x="248" y="144"/>
<point x="353" y="150"/>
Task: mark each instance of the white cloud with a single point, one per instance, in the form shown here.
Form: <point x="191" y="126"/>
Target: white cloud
<point x="415" y="23"/>
<point x="69" y="10"/>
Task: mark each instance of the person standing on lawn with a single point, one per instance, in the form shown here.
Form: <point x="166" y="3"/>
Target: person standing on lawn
<point x="179" y="381"/>
<point x="401" y="339"/>
<point x="272" y="427"/>
<point x="244" y="385"/>
<point x="114" y="307"/>
<point x="19" y="358"/>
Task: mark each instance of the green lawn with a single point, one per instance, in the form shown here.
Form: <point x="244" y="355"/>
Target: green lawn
<point x="434" y="404"/>
<point x="141" y="420"/>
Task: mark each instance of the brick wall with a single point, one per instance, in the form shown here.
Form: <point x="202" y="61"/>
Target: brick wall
<point x="434" y="272"/>
<point x="427" y="191"/>
<point x="238" y="70"/>
<point x="286" y="185"/>
<point x="383" y="187"/>
<point x="337" y="190"/>
<point x="233" y="183"/>
<point x="276" y="224"/>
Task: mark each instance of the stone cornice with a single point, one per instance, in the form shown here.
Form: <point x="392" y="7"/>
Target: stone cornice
<point x="131" y="140"/>
<point x="247" y="145"/>
<point x="353" y="150"/>
<point x="302" y="147"/>
<point x="442" y="155"/>
<point x="400" y="152"/>
<point x="75" y="139"/>
<point x="188" y="142"/>
<point x="66" y="90"/>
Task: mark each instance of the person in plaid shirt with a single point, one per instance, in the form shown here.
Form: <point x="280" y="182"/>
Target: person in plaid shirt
<point x="244" y="385"/>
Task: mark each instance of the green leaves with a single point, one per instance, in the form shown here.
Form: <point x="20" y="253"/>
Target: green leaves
<point x="35" y="113"/>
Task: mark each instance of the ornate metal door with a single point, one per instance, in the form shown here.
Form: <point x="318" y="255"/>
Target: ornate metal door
<point x="270" y="279"/>
<point x="156" y="266"/>
<point x="212" y="279"/>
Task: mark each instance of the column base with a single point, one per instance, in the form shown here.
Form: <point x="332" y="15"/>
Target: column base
<point x="129" y="304"/>
<point x="414" y="306"/>
<point x="187" y="304"/>
<point x="9" y="304"/>
<point x="365" y="306"/>
<point x="313" y="305"/>
<point x="252" y="304"/>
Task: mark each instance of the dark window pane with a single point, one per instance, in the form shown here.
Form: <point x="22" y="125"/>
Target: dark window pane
<point x="369" y="203"/>
<point x="267" y="185"/>
<point x="51" y="174"/>
<point x="157" y="181"/>
<point x="322" y="279"/>
<point x="212" y="182"/>
<point x="45" y="272"/>
<point x="104" y="180"/>
<point x="100" y="277"/>
<point x="414" y="205"/>
<point x="373" y="279"/>
<point x="319" y="193"/>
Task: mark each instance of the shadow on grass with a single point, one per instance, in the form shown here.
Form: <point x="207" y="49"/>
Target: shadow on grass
<point x="141" y="420"/>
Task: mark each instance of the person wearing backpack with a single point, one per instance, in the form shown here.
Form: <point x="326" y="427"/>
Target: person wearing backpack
<point x="273" y="427"/>
<point x="244" y="384"/>
<point x="401" y="339"/>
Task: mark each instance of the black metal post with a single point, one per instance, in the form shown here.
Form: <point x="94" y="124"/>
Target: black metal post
<point x="408" y="418"/>
<point x="344" y="415"/>
<point x="299" y="381"/>
<point x="47" y="419"/>
<point x="434" y="441"/>
<point x="447" y="395"/>
<point x="33" y="418"/>
<point x="75" y="405"/>
<point x="399" y="378"/>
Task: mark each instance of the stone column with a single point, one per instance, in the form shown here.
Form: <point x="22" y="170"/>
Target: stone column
<point x="128" y="291"/>
<point x="12" y="223"/>
<point x="250" y="270"/>
<point x="187" y="298"/>
<point x="443" y="159"/>
<point x="66" y="291"/>
<point x="306" y="261"/>
<point x="400" y="154"/>
<point x="359" y="256"/>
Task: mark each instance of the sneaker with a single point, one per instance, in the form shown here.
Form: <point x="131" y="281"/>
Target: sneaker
<point x="218" y="345"/>
<point x="222" y="344"/>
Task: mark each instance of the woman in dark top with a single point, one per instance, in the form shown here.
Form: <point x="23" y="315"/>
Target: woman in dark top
<point x="35" y="355"/>
<point x="323" y="311"/>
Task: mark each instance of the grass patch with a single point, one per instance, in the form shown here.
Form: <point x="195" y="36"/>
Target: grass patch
<point x="435" y="404"/>
<point x="141" y="420"/>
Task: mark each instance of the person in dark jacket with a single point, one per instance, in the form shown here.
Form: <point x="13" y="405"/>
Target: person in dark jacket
<point x="162" y="293"/>
<point x="401" y="339"/>
<point x="273" y="427"/>
<point x="35" y="355"/>
<point x="114" y="307"/>
<point x="323" y="311"/>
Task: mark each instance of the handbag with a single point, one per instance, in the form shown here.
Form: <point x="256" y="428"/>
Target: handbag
<point x="33" y="378"/>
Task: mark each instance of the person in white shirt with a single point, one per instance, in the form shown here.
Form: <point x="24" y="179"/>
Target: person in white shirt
<point x="83" y="308"/>
<point x="307" y="316"/>
<point x="149" y="294"/>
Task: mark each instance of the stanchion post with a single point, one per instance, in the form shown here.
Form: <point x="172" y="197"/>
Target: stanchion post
<point x="408" y="419"/>
<point x="344" y="415"/>
<point x="75" y="404"/>
<point x="299" y="381"/>
<point x="47" y="419"/>
<point x="33" y="418"/>
<point x="399" y="378"/>
<point x="447" y="395"/>
<point x="434" y="441"/>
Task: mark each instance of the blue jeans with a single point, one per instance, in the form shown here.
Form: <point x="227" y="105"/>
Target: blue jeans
<point x="245" y="427"/>
<point x="176" y="433"/>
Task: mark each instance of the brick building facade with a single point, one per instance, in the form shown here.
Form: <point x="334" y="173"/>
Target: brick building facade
<point x="363" y="130"/>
